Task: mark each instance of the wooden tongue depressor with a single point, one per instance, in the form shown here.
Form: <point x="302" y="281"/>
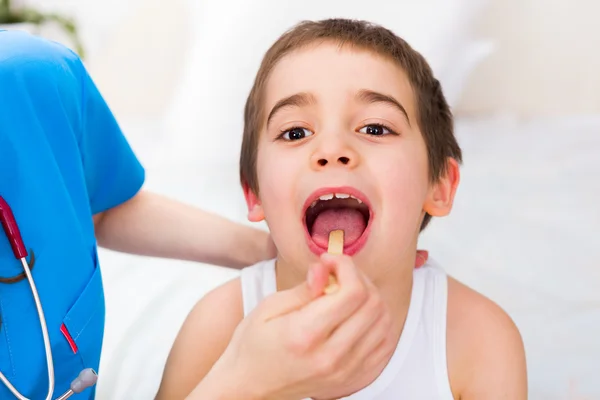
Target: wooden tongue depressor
<point x="336" y="246"/>
<point x="336" y="242"/>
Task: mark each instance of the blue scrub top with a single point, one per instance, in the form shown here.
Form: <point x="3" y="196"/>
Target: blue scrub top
<point x="63" y="159"/>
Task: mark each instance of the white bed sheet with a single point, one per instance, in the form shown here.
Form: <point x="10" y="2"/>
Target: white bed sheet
<point x="524" y="231"/>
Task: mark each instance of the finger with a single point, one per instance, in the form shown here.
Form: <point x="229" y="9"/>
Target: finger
<point x="379" y="355"/>
<point x="375" y="345"/>
<point x="286" y="301"/>
<point x="344" y="270"/>
<point x="319" y="278"/>
<point x="320" y="317"/>
<point x="352" y="331"/>
<point x="422" y="256"/>
<point x="301" y="296"/>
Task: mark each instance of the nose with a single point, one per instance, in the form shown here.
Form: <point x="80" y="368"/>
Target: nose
<point x="343" y="160"/>
<point x="334" y="152"/>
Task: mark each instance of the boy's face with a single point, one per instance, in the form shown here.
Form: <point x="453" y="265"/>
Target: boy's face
<point x="343" y="122"/>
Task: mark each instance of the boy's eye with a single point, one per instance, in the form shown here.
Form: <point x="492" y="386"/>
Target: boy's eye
<point x="296" y="134"/>
<point x="375" y="130"/>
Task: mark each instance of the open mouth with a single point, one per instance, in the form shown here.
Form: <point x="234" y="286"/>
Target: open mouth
<point x="339" y="209"/>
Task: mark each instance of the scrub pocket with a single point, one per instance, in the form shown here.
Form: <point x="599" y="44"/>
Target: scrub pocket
<point x="83" y="326"/>
<point x="76" y="348"/>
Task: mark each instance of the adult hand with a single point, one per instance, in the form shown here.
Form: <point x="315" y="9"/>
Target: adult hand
<point x="299" y="343"/>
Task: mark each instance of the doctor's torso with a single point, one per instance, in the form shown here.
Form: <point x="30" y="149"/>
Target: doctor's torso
<point x="42" y="178"/>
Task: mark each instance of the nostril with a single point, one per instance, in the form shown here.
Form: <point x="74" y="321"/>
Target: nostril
<point x="322" y="162"/>
<point x="344" y="160"/>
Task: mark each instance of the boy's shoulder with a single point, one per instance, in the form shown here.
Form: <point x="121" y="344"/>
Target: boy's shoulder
<point x="229" y="298"/>
<point x="202" y="339"/>
<point x="486" y="356"/>
<point x="221" y="309"/>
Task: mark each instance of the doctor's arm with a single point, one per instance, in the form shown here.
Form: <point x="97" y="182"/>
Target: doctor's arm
<point x="150" y="224"/>
<point x="153" y="225"/>
<point x="130" y="219"/>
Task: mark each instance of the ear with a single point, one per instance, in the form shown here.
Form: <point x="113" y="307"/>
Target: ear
<point x="441" y="194"/>
<point x="255" y="210"/>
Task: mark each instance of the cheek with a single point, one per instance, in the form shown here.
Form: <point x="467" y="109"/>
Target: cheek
<point x="404" y="183"/>
<point x="278" y="179"/>
<point x="276" y="184"/>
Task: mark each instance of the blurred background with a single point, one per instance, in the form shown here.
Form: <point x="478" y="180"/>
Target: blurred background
<point x="522" y="78"/>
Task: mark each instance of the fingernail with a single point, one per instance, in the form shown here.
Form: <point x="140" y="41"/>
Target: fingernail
<point x="327" y="257"/>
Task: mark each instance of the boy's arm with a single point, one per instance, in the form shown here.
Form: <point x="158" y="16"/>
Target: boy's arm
<point x="201" y="341"/>
<point x="486" y="356"/>
<point x="152" y="225"/>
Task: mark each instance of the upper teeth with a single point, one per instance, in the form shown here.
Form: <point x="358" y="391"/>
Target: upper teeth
<point x="337" y="195"/>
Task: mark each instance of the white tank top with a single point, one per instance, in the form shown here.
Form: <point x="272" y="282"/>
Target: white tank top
<point x="417" y="369"/>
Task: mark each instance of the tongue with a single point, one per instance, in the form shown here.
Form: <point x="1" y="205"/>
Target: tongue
<point x="350" y="220"/>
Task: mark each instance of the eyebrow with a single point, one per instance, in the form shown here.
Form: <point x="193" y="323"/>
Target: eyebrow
<point x="295" y="100"/>
<point x="370" y="96"/>
<point x="364" y="95"/>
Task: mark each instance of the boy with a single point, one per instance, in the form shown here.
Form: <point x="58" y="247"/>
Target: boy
<point x="347" y="129"/>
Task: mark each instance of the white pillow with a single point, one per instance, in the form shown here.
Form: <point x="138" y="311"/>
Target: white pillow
<point x="232" y="36"/>
<point x="455" y="76"/>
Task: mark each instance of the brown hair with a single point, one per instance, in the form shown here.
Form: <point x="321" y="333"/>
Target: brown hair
<point x="433" y="113"/>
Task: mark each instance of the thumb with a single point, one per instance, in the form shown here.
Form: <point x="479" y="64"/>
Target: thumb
<point x="288" y="301"/>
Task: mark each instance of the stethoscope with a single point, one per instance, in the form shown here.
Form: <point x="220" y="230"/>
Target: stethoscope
<point x="87" y="377"/>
